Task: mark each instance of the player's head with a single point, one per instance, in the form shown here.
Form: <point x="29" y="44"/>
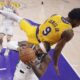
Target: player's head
<point x="22" y="46"/>
<point x="74" y="17"/>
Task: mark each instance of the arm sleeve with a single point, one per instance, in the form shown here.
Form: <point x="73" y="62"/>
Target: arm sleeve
<point x="11" y="15"/>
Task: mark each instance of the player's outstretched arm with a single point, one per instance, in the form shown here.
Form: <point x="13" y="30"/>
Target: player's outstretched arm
<point x="11" y="15"/>
<point x="65" y="37"/>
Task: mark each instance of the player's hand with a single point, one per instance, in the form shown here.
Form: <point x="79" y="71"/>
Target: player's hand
<point x="31" y="64"/>
<point x="57" y="70"/>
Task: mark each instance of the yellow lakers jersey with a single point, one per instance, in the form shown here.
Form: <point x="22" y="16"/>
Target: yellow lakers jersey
<point x="49" y="31"/>
<point x="52" y="29"/>
<point x="30" y="31"/>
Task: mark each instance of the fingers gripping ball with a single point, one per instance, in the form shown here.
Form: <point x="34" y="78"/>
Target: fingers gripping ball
<point x="27" y="55"/>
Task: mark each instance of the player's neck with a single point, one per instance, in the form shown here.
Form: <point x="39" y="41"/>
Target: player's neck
<point x="70" y="21"/>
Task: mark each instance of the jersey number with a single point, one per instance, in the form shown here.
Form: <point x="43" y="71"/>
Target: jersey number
<point x="46" y="31"/>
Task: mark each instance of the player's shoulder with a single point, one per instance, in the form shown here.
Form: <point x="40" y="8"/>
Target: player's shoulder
<point x="67" y="34"/>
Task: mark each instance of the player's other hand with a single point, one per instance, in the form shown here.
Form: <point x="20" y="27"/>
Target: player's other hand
<point x="57" y="70"/>
<point x="31" y="64"/>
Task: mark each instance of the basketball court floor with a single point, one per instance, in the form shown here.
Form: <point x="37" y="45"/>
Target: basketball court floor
<point x="69" y="63"/>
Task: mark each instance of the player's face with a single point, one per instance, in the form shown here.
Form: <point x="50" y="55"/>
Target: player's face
<point x="76" y="23"/>
<point x="24" y="45"/>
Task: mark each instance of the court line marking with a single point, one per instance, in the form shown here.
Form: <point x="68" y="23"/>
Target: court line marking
<point x="71" y="66"/>
<point x="1" y="69"/>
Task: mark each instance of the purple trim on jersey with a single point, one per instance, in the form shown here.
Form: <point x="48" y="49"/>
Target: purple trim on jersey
<point x="64" y="20"/>
<point x="32" y="23"/>
<point x="37" y="31"/>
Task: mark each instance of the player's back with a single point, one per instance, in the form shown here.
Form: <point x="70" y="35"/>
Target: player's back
<point x="52" y="29"/>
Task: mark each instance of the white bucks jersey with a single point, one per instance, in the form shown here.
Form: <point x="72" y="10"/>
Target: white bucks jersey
<point x="8" y="8"/>
<point x="7" y="20"/>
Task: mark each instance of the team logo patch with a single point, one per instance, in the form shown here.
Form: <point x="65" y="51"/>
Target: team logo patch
<point x="64" y="20"/>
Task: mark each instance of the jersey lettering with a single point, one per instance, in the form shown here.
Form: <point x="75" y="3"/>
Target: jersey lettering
<point x="53" y="23"/>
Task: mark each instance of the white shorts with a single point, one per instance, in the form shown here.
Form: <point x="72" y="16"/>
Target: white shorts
<point x="6" y="29"/>
<point x="23" y="72"/>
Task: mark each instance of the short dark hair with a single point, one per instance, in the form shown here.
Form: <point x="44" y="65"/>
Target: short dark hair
<point x="74" y="14"/>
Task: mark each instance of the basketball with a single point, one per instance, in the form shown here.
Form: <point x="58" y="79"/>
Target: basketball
<point x="27" y="55"/>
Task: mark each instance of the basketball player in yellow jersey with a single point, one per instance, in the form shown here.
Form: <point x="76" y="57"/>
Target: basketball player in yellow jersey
<point x="50" y="31"/>
<point x="56" y="29"/>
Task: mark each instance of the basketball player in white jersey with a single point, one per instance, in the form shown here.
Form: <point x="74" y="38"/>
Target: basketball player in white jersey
<point x="31" y="71"/>
<point x="23" y="71"/>
<point x="7" y="25"/>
